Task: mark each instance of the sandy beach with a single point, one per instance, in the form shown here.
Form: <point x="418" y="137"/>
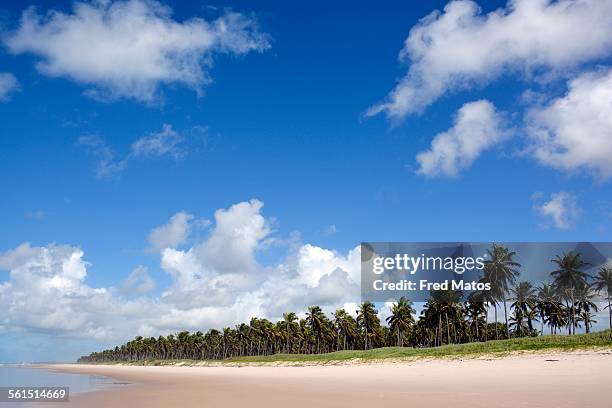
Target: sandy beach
<point x="532" y="380"/>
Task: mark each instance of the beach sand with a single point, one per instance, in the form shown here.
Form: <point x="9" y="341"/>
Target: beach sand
<point x="577" y="379"/>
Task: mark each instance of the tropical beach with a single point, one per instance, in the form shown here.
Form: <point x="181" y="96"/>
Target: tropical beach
<point x="306" y="204"/>
<point x="553" y="379"/>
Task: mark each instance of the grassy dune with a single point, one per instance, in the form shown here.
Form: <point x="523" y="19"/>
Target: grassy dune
<point x="547" y="342"/>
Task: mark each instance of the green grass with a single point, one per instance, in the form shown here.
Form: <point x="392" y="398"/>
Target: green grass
<point x="548" y="342"/>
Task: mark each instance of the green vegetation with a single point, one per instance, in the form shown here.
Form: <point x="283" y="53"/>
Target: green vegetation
<point x="448" y="325"/>
<point x="492" y="348"/>
<point x="548" y="342"/>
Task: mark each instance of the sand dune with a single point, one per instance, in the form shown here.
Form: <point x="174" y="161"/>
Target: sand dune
<point x="579" y="379"/>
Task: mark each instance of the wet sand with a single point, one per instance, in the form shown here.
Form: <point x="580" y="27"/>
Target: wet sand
<point x="577" y="379"/>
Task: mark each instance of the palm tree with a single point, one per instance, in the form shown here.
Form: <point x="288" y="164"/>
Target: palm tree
<point x="401" y="319"/>
<point x="318" y="323"/>
<point x="584" y="305"/>
<point x="444" y="305"/>
<point x="502" y="270"/>
<point x="476" y="312"/>
<point x="486" y="297"/>
<point x="568" y="278"/>
<point x="345" y="326"/>
<point x="367" y="318"/>
<point x="524" y="297"/>
<point x="603" y="283"/>
<point x="290" y="327"/>
<point x="547" y="304"/>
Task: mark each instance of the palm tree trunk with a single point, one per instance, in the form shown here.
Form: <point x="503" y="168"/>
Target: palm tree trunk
<point x="447" y="328"/>
<point x="506" y="318"/>
<point x="439" y="329"/>
<point x="486" y="331"/>
<point x="496" y="329"/>
<point x="610" y="310"/>
<point x="573" y="314"/>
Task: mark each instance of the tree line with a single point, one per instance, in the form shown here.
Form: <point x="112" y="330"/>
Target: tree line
<point x="567" y="302"/>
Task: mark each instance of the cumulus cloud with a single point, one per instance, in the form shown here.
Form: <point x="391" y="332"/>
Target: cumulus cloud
<point x="477" y="127"/>
<point x="127" y="49"/>
<point x="238" y="232"/>
<point x="172" y="234"/>
<point x="8" y="85"/>
<point x="138" y="282"/>
<point x="220" y="279"/>
<point x="574" y="131"/>
<point x="560" y="209"/>
<point x="460" y="47"/>
<point x="47" y="290"/>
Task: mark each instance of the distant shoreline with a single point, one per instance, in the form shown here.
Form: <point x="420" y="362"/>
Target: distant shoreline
<point x="532" y="379"/>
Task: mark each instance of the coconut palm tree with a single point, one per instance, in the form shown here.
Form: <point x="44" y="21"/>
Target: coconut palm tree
<point x="318" y="323"/>
<point x="603" y="283"/>
<point x="346" y="327"/>
<point x="568" y="278"/>
<point x="502" y="270"/>
<point x="446" y="306"/>
<point x="401" y="319"/>
<point x="290" y="327"/>
<point x="476" y="312"/>
<point x="524" y="298"/>
<point x="547" y="304"/>
<point x="367" y="319"/>
<point x="584" y="305"/>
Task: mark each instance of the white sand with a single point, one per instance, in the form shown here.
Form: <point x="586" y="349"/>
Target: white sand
<point x="578" y="379"/>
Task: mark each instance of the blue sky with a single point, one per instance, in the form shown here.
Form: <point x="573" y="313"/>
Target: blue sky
<point x="287" y="123"/>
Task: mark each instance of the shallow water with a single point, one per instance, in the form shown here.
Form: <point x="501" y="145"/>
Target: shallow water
<point x="25" y="376"/>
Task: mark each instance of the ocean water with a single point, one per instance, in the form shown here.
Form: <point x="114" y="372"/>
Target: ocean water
<point x="26" y="376"/>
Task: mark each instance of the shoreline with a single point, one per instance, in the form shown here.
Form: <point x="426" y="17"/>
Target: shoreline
<point x="549" y="379"/>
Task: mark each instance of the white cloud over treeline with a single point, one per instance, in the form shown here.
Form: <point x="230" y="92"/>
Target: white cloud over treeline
<point x="215" y="282"/>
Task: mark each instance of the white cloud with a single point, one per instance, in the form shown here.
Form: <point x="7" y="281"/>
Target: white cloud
<point x="47" y="290"/>
<point x="561" y="209"/>
<point x="575" y="131"/>
<point x="461" y="48"/>
<point x="330" y="230"/>
<point x="238" y="232"/>
<point x="477" y="127"/>
<point x="313" y="263"/>
<point x="129" y="48"/>
<point x="172" y="234"/>
<point x="165" y="142"/>
<point x="138" y="282"/>
<point x="107" y="165"/>
<point x="8" y="85"/>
